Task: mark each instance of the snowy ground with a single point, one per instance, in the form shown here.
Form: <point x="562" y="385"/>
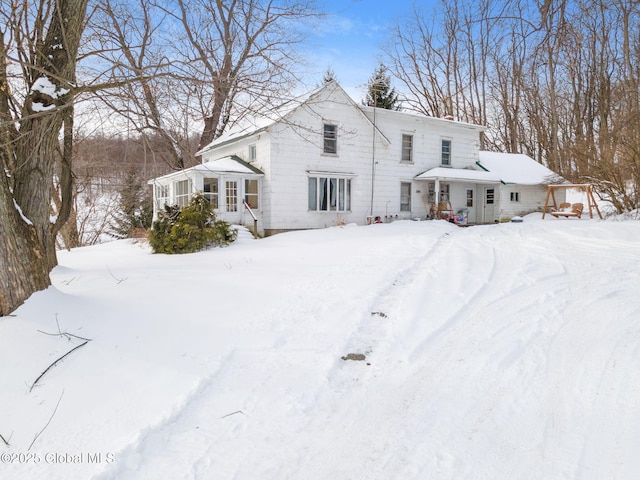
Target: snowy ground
<point x="493" y="352"/>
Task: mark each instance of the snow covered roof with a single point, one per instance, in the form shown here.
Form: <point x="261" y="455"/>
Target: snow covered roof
<point x="517" y="168"/>
<point x="458" y="174"/>
<point x="230" y="164"/>
<point x="251" y="125"/>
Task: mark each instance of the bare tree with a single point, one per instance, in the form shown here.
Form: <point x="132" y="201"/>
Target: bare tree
<point x="239" y="55"/>
<point x="558" y="80"/>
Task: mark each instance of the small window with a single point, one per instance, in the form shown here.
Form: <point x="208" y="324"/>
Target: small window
<point x="210" y="191"/>
<point x="407" y="148"/>
<point x="232" y="196"/>
<point x="182" y="192"/>
<point x="330" y="137"/>
<point x="469" y="197"/>
<point x="252" y="152"/>
<point x="405" y="197"/>
<point x="446" y="152"/>
<point x="515" y="196"/>
<point x="251" y="193"/>
<point x="329" y="194"/>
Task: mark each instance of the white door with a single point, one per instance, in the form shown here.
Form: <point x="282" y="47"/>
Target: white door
<point x="489" y="205"/>
<point x="470" y="202"/>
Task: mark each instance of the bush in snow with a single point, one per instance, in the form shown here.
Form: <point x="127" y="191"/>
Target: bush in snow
<point x="189" y="230"/>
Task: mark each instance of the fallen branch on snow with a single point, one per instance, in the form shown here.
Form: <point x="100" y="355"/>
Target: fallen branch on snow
<point x="50" y="418"/>
<point x="54" y="363"/>
<point x="4" y="440"/>
<point x="63" y="334"/>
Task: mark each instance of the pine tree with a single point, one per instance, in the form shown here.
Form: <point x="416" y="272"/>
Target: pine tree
<point x="136" y="208"/>
<point x="329" y="76"/>
<point x="380" y="93"/>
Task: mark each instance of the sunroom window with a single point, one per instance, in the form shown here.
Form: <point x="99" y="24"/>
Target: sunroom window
<point x="210" y="188"/>
<point x="182" y="192"/>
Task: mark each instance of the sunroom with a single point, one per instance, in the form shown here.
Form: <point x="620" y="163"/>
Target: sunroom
<point x="231" y="185"/>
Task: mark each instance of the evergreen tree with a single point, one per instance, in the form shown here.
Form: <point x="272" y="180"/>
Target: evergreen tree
<point x="380" y="93"/>
<point x="136" y="208"/>
<point x="329" y="76"/>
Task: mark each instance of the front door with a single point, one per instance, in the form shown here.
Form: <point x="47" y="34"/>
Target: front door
<point x="489" y="205"/>
<point x="470" y="203"/>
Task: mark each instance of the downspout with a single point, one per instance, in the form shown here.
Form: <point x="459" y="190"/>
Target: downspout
<point x="373" y="160"/>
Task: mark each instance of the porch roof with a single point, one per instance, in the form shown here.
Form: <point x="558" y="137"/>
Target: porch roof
<point x="229" y="164"/>
<point x="458" y="175"/>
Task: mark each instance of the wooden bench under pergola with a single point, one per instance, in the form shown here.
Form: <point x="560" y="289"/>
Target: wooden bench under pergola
<point x="555" y="211"/>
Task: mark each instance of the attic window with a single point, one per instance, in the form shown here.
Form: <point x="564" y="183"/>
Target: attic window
<point x="330" y="137"/>
<point x="252" y="152"/>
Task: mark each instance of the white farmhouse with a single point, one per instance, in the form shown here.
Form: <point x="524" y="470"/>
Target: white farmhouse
<point x="325" y="160"/>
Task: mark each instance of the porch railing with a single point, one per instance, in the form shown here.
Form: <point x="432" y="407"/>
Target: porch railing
<point x="253" y="215"/>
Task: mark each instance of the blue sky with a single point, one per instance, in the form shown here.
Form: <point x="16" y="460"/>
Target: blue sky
<point x="350" y="38"/>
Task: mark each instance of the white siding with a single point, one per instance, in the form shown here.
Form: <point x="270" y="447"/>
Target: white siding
<point x="531" y="199"/>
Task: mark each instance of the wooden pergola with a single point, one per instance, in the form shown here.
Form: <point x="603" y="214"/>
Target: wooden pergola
<point x="591" y="202"/>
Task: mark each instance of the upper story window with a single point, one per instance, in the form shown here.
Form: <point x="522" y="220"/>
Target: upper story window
<point x="445" y="156"/>
<point x="252" y="152"/>
<point x="330" y="138"/>
<point x="515" y="196"/>
<point x="407" y="148"/>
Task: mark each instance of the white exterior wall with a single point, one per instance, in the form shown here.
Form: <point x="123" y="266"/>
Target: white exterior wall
<point x="531" y="199"/>
<point x="297" y="150"/>
<point x="288" y="150"/>
<point x="428" y="134"/>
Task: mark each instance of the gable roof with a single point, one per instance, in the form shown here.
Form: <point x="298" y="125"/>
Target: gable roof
<point x="517" y="168"/>
<point x="255" y="124"/>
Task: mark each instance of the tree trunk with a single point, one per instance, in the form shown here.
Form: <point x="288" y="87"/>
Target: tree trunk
<point x="23" y="265"/>
<point x="27" y="246"/>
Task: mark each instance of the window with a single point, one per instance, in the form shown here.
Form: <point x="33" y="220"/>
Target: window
<point x="252" y="152"/>
<point x="407" y="148"/>
<point x="329" y="194"/>
<point x="469" y="197"/>
<point x="405" y="197"/>
<point x="490" y="196"/>
<point x="210" y="190"/>
<point x="232" y="196"/>
<point x="445" y="158"/>
<point x="182" y="192"/>
<point x="162" y="196"/>
<point x="515" y="196"/>
<point x="251" y="193"/>
<point x="330" y="138"/>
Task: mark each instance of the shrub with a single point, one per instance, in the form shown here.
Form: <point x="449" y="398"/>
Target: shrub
<point x="189" y="230"/>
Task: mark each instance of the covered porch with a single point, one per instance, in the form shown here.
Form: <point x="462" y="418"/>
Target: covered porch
<point x="231" y="185"/>
<point x="463" y="196"/>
